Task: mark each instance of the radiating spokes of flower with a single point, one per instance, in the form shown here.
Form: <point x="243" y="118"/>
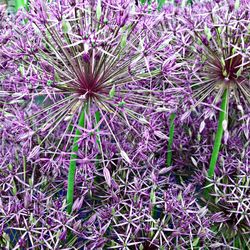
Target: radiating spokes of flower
<point x="232" y="199"/>
<point x="220" y="53"/>
<point x="89" y="54"/>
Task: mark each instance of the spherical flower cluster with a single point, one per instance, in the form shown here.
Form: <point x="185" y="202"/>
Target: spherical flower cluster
<point x="217" y="58"/>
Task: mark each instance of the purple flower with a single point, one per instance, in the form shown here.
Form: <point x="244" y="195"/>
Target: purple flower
<point x="80" y="60"/>
<point x="217" y="53"/>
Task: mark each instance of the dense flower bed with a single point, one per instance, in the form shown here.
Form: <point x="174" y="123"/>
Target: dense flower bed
<point x="125" y="126"/>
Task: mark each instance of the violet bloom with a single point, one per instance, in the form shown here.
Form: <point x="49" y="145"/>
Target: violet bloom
<point x="218" y="50"/>
<point x="231" y="194"/>
<point x="77" y="56"/>
<point x="216" y="46"/>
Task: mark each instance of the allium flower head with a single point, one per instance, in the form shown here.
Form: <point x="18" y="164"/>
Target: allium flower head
<point x="79" y="55"/>
<point x="231" y="195"/>
<point x="218" y="51"/>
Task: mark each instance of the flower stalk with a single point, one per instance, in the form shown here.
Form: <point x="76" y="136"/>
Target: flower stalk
<point x="21" y="3"/>
<point x="218" y="138"/>
<point x="219" y="134"/>
<point x="73" y="158"/>
<point x="171" y="138"/>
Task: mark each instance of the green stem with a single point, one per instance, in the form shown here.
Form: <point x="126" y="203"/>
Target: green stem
<point x="160" y="4"/>
<point x="21" y="3"/>
<point x="97" y="120"/>
<point x="218" y="138"/>
<point x="171" y="138"/>
<point x="219" y="134"/>
<point x="237" y="243"/>
<point x="98" y="140"/>
<point x="24" y="168"/>
<point x="72" y="165"/>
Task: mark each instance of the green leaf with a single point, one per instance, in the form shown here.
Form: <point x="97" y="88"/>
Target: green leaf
<point x="31" y="218"/>
<point x="49" y="82"/>
<point x="196" y="241"/>
<point x="65" y="26"/>
<point x="10" y="167"/>
<point x="121" y="104"/>
<point x="237" y="4"/>
<point x="238" y="73"/>
<point x="112" y="91"/>
<point x="99" y="10"/>
<point x="30" y="181"/>
<point x="179" y="197"/>
<point x="57" y="78"/>
<point x="183" y="3"/>
<point x="19" y="4"/>
<point x="152" y="196"/>
<point x="207" y="32"/>
<point x="14" y="189"/>
<point x="135" y="198"/>
<point x="124" y="40"/>
<point x="160" y="3"/>
<point x="21" y="69"/>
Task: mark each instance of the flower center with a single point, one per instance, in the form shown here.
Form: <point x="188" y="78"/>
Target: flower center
<point x="232" y="66"/>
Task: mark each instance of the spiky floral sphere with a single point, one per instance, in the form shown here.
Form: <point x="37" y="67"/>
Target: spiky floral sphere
<point x="217" y="50"/>
<point x="231" y="198"/>
<point x="81" y="56"/>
